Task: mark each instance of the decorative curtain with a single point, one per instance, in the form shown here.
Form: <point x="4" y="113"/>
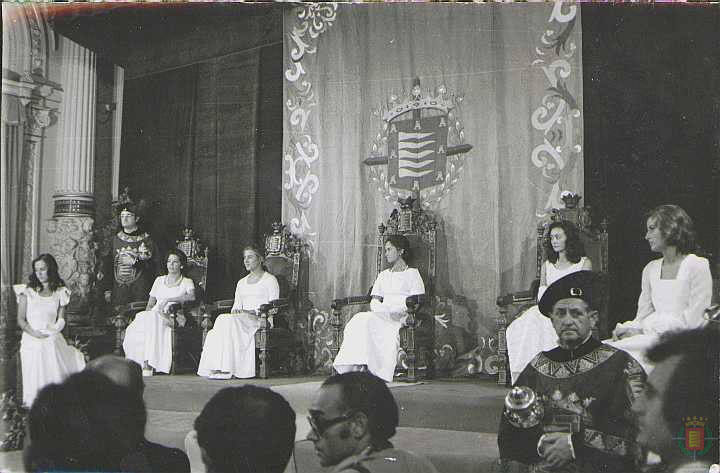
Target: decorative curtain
<point x="11" y="225"/>
<point x="513" y="73"/>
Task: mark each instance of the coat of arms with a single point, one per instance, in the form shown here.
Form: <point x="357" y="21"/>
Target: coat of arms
<point x="422" y="143"/>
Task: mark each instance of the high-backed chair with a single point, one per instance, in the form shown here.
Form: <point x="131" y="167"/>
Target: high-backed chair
<point x="187" y="319"/>
<point x="512" y="305"/>
<point x="281" y="341"/>
<point x="417" y="336"/>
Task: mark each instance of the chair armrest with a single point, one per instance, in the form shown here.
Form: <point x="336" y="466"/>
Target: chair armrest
<point x="353" y="300"/>
<point x="520" y="296"/>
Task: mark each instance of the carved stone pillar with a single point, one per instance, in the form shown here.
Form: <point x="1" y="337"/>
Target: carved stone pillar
<point x="72" y="224"/>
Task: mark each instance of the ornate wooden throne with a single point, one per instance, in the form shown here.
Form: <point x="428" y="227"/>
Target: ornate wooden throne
<point x="417" y="337"/>
<point x="512" y="305"/>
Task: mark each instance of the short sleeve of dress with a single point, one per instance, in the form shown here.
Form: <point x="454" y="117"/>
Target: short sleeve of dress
<point x="377" y="289"/>
<point x="20" y="290"/>
<point x="64" y="296"/>
<point x="157" y="285"/>
<point x="417" y="286"/>
<point x="272" y="287"/>
<point x="188" y="285"/>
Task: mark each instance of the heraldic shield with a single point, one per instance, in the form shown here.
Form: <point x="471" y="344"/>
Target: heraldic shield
<point x="417" y="150"/>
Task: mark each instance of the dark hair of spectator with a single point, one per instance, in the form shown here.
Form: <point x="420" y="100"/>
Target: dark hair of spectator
<point x="693" y="387"/>
<point x="54" y="280"/>
<point x="366" y="393"/>
<point x="181" y="255"/>
<point x="86" y="423"/>
<point x="246" y="429"/>
<point x="400" y="242"/>
<point x="574" y="248"/>
<point x="676" y="227"/>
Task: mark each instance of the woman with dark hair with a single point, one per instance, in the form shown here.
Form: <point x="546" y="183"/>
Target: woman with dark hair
<point x="148" y="338"/>
<point x="532" y="332"/>
<point x="229" y="348"/>
<point x="372" y="339"/>
<point x="45" y="356"/>
<point x="676" y="289"/>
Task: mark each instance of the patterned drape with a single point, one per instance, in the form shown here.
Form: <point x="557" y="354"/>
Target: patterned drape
<point x="513" y="75"/>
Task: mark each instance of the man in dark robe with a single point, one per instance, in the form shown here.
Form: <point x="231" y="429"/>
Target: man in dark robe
<point x="586" y="389"/>
<point x="134" y="257"/>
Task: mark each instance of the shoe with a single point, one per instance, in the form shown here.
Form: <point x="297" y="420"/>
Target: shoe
<point x="147" y="372"/>
<point x="220" y="376"/>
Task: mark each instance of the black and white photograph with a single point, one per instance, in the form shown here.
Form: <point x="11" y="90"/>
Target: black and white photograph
<point x="335" y="237"/>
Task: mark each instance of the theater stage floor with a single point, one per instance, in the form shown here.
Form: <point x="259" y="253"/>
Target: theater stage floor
<point x="452" y="422"/>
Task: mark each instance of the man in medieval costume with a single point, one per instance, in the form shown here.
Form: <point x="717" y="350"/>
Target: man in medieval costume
<point x="570" y="409"/>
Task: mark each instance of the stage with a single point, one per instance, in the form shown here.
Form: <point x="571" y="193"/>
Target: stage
<point x="451" y="422"/>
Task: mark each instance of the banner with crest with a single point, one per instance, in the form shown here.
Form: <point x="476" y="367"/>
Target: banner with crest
<point x="474" y="109"/>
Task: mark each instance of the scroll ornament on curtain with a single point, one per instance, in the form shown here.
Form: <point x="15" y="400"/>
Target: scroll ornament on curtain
<point x="302" y="152"/>
<point x="558" y="117"/>
<point x="419" y="149"/>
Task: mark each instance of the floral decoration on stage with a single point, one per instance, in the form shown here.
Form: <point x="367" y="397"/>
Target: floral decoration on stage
<point x="558" y="116"/>
<point x="302" y="153"/>
<point x="419" y="147"/>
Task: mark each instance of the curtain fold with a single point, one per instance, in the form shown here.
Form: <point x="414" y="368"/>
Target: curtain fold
<point x="11" y="189"/>
<point x="190" y="148"/>
<point x="517" y="71"/>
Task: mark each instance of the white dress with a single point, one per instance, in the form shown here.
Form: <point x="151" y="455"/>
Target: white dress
<point x="45" y="360"/>
<point x="373" y="338"/>
<point x="149" y="337"/>
<point x="230" y="345"/>
<point x="532" y="332"/>
<point x="667" y="304"/>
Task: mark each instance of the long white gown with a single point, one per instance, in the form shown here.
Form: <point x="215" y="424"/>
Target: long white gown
<point x="45" y="360"/>
<point x="667" y="304"/>
<point x="149" y="337"/>
<point x="532" y="332"/>
<point x="373" y="338"/>
<point x="230" y="345"/>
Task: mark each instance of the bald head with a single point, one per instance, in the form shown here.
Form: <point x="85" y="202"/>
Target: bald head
<point x="121" y="371"/>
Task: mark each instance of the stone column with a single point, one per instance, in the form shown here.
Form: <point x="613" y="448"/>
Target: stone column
<point x="73" y="218"/>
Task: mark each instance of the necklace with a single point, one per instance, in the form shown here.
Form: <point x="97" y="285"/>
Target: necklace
<point x="174" y="283"/>
<point x="399" y="268"/>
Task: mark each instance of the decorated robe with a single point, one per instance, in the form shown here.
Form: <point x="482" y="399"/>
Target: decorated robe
<point x="133" y="282"/>
<point x="595" y="386"/>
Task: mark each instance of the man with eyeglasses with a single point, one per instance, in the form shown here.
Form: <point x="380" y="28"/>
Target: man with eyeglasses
<point x="352" y="419"/>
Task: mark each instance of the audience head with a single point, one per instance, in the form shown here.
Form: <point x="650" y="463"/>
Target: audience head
<point x="350" y="412"/>
<point x="86" y="423"/>
<point x="176" y="259"/>
<point x="571" y="304"/>
<point x="246" y="429"/>
<point x="400" y="248"/>
<point x="683" y="384"/>
<point x="670" y="225"/>
<point x="45" y="270"/>
<point x="253" y="258"/>
<point x="563" y="236"/>
<point x="121" y="371"/>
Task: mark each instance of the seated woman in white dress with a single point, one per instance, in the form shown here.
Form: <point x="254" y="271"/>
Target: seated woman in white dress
<point x="45" y="356"/>
<point x="532" y="332"/>
<point x="676" y="289"/>
<point x="371" y="339"/>
<point x="148" y="338"/>
<point x="229" y="348"/>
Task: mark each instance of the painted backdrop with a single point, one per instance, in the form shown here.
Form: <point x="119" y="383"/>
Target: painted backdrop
<point x="513" y="74"/>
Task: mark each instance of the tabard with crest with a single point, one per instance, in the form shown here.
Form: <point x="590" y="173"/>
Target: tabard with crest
<point x="132" y="282"/>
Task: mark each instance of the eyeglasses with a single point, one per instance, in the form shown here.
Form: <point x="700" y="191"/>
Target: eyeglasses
<point x="319" y="425"/>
